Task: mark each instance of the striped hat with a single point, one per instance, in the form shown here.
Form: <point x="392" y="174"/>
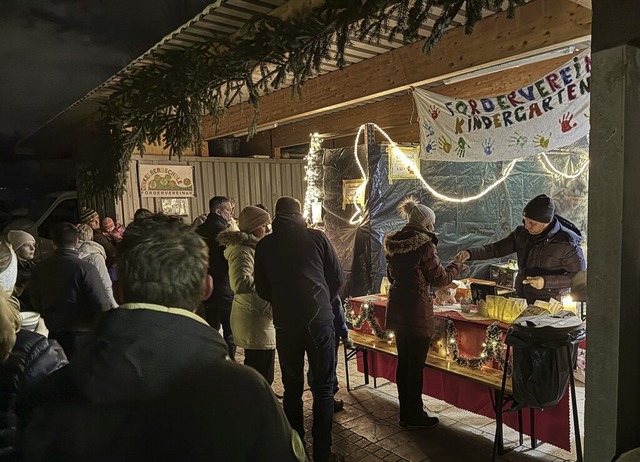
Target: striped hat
<point x="86" y="215"/>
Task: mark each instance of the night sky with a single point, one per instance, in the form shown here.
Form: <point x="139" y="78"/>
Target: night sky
<point x="53" y="52"/>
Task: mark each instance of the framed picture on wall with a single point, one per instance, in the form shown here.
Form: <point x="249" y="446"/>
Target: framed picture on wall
<point x="175" y="206"/>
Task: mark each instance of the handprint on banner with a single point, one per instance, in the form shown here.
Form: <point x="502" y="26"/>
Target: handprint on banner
<point x="430" y="147"/>
<point x="565" y="122"/>
<point x="428" y="128"/>
<point x="434" y="111"/>
<point x="518" y="140"/>
<point x="444" y="143"/>
<point x="462" y="147"/>
<point x="488" y="146"/>
<point x="542" y="142"/>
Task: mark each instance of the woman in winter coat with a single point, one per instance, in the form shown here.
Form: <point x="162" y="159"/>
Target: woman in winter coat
<point x="25" y="357"/>
<point x="413" y="266"/>
<point x="95" y="254"/>
<point x="251" y="316"/>
<point x="24" y="245"/>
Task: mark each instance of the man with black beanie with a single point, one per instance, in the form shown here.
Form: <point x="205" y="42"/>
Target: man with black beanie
<point x="548" y="250"/>
<point x="297" y="270"/>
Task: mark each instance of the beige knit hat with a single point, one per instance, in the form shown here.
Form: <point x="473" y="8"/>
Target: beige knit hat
<point x="18" y="238"/>
<point x="251" y="218"/>
<point x="417" y="214"/>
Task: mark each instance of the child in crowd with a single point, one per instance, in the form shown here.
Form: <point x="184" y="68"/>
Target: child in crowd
<point x="113" y="230"/>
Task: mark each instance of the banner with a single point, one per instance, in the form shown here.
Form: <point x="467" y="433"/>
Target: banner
<point x="165" y="180"/>
<point x="548" y="114"/>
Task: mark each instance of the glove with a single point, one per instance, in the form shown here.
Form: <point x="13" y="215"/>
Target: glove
<point x="535" y="282"/>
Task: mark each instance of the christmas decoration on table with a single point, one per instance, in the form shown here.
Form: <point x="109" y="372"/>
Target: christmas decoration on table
<point x="492" y="347"/>
<point x="367" y="314"/>
<point x="164" y="101"/>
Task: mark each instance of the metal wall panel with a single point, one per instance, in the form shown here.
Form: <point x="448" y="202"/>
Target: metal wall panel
<point x="249" y="181"/>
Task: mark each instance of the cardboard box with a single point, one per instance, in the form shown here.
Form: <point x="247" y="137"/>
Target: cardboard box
<point x="378" y="303"/>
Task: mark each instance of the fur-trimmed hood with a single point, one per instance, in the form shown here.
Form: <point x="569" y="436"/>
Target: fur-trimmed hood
<point x="227" y="238"/>
<point x="407" y="240"/>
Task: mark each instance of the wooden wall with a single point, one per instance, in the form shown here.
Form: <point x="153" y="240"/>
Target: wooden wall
<point x="249" y="181"/>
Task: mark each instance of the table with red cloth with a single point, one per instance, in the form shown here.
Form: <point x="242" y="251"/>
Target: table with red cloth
<point x="552" y="425"/>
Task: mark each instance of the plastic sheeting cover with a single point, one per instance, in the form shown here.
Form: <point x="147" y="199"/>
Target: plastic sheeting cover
<point x="458" y="225"/>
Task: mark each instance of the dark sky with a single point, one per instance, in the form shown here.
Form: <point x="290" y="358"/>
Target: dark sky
<point x="53" y="52"/>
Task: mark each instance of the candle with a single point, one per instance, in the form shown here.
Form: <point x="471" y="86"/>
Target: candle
<point x="568" y="304"/>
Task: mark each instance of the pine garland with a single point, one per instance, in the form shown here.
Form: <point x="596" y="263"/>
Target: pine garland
<point x="164" y="101"/>
<point x="367" y="313"/>
<point x="492" y="347"/>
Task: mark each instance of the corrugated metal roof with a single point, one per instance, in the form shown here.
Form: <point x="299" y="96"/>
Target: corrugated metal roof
<point x="227" y="17"/>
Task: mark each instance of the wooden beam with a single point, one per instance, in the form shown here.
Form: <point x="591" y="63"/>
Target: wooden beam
<point x="398" y="115"/>
<point x="583" y="3"/>
<point x="539" y="26"/>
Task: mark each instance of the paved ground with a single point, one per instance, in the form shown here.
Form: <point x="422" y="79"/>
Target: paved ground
<point x="367" y="429"/>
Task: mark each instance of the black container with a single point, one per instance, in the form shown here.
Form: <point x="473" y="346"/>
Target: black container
<point x="544" y="355"/>
<point x="224" y="147"/>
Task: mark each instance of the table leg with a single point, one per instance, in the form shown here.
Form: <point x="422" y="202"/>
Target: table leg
<point x="532" y="421"/>
<point x="346" y="367"/>
<point x="576" y="422"/>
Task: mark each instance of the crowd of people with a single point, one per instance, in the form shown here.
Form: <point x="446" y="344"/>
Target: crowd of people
<point x="127" y="363"/>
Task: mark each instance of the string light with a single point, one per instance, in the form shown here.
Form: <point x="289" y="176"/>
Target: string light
<point x="492" y="347"/>
<point x="551" y="169"/>
<point x="313" y="195"/>
<point x="358" y="217"/>
<point x="367" y="313"/>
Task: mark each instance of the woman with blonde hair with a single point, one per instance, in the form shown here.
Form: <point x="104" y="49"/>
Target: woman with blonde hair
<point x="25" y="357"/>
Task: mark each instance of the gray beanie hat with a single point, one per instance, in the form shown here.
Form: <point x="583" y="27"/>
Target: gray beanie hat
<point x="417" y="214"/>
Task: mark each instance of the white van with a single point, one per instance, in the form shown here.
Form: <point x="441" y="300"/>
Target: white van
<point x="54" y="208"/>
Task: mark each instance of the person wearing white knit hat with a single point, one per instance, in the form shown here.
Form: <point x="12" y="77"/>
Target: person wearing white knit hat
<point x="24" y="245"/>
<point x="413" y="266"/>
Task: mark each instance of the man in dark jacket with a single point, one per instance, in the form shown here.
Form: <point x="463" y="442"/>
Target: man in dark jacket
<point x="548" y="251"/>
<point x="68" y="292"/>
<point x="157" y="384"/>
<point x="218" y="307"/>
<point x="297" y="270"/>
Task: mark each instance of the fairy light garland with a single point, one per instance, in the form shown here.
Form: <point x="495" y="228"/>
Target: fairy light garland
<point x="551" y="169"/>
<point x="492" y="347"/>
<point x="358" y="217"/>
<point x="367" y="313"/>
<point x="313" y="194"/>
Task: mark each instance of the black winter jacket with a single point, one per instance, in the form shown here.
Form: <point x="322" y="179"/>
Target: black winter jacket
<point x="68" y="292"/>
<point x="218" y="265"/>
<point x="157" y="386"/>
<point x="413" y="266"/>
<point x="555" y="255"/>
<point x="298" y="271"/>
<point x="32" y="358"/>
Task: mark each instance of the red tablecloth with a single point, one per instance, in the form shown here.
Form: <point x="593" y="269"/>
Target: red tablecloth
<point x="552" y="425"/>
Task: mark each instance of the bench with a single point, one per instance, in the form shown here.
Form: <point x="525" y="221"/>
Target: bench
<point x="492" y="378"/>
